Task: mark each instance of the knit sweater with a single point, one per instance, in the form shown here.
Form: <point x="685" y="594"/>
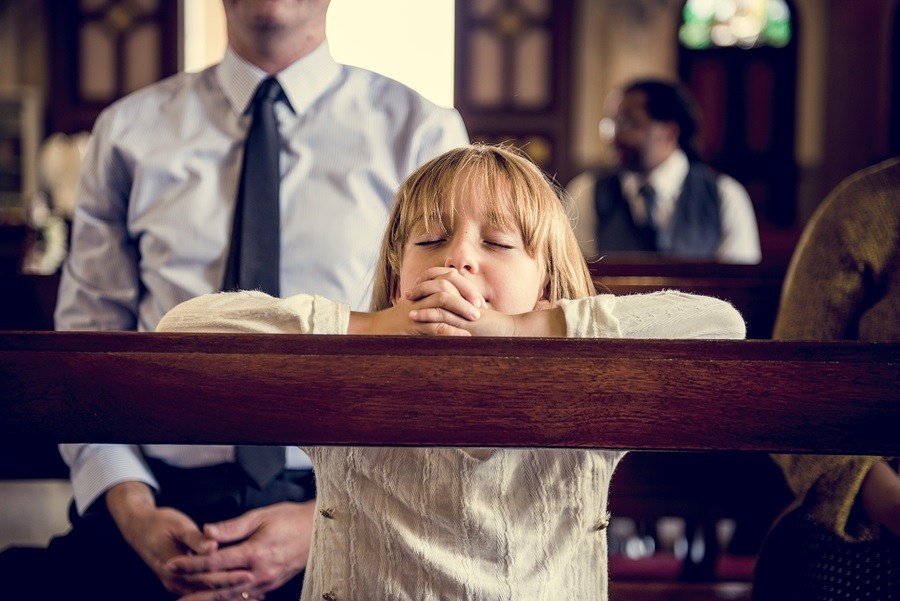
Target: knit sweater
<point x="449" y="523"/>
<point x="843" y="284"/>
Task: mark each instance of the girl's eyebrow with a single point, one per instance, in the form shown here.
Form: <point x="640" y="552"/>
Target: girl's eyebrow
<point x="502" y="219"/>
<point x="434" y="226"/>
<point x="432" y="222"/>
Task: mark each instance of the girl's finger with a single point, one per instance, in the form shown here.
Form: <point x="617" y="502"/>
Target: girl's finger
<point x="452" y="303"/>
<point x="466" y="287"/>
<point x="433" y="272"/>
<point x="436" y="315"/>
<point x="429" y="287"/>
<point x="463" y="286"/>
<point x="440" y="328"/>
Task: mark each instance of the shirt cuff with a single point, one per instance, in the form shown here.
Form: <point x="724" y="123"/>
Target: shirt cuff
<point x="591" y="317"/>
<point x="319" y="315"/>
<point x="99" y="467"/>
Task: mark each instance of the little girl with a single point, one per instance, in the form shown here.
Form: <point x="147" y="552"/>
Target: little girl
<point x="478" y="243"/>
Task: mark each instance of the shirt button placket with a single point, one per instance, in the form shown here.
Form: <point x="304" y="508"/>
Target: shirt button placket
<point x="328" y="514"/>
<point x="603" y="523"/>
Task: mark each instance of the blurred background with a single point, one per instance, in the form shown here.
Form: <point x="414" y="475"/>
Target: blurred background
<point x="795" y="95"/>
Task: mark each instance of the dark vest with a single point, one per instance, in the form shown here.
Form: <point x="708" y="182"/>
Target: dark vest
<point x="694" y="231"/>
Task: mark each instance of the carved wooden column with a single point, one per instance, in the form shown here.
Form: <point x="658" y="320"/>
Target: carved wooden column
<point x="101" y="50"/>
<point x="513" y="76"/>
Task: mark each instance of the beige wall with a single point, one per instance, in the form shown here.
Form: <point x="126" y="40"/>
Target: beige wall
<point x="23" y="54"/>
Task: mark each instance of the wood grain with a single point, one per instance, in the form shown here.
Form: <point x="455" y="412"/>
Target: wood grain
<point x="249" y="388"/>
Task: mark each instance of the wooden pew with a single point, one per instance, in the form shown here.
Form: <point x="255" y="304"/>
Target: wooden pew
<point x="746" y="488"/>
<point x="796" y="397"/>
<point x="28" y="301"/>
<point x="747" y="397"/>
<point x="754" y="290"/>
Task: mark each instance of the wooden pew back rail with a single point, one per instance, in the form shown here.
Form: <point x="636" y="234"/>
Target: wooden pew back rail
<point x="794" y="397"/>
<point x="798" y="397"/>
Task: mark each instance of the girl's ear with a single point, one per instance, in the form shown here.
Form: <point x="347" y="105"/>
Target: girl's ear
<point x="395" y="296"/>
<point x="543" y="305"/>
<point x="543" y="302"/>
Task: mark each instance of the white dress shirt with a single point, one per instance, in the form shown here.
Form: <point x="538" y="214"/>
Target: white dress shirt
<point x="740" y="234"/>
<point x="156" y="196"/>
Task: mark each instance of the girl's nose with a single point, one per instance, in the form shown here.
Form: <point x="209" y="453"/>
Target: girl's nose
<point x="461" y="257"/>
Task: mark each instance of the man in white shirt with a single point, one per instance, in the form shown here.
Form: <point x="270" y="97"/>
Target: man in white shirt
<point x="152" y="228"/>
<point x="662" y="199"/>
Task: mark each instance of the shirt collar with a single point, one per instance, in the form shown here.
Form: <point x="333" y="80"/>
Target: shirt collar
<point x="303" y="81"/>
<point x="666" y="179"/>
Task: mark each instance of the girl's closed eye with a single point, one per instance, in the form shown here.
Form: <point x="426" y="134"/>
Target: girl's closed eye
<point x="430" y="241"/>
<point x="502" y="239"/>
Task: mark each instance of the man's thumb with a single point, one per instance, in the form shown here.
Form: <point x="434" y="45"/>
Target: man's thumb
<point x="229" y="531"/>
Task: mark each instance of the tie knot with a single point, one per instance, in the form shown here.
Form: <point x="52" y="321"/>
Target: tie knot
<point x="269" y="90"/>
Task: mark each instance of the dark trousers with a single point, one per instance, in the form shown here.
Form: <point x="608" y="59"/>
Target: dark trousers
<point x="93" y="561"/>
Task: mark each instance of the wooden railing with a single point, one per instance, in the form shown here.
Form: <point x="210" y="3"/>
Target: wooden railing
<point x="797" y="397"/>
<point x="753" y="289"/>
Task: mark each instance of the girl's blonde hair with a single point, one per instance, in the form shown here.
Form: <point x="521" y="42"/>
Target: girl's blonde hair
<point x="517" y="194"/>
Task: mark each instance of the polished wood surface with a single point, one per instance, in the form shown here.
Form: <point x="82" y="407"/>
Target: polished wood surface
<point x="754" y="290"/>
<point x="247" y="388"/>
<point x="27" y="301"/>
<point x="671" y="591"/>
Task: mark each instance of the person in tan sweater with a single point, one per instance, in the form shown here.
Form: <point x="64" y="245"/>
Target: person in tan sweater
<point x="843" y="284"/>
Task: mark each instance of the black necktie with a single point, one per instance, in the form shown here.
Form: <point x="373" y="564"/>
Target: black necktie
<point x="254" y="257"/>
<point x="648" y="231"/>
<point x="261" y="464"/>
<point x="647" y="192"/>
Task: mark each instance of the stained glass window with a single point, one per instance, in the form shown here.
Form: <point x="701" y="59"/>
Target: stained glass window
<point x="740" y="23"/>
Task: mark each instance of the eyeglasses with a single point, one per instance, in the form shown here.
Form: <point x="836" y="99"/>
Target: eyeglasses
<point x="609" y="126"/>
